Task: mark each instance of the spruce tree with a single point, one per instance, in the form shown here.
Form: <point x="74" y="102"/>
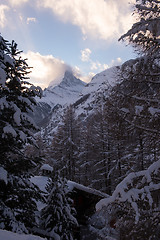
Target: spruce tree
<point x="18" y="194"/>
<point x="58" y="216"/>
<point x="144" y="34"/>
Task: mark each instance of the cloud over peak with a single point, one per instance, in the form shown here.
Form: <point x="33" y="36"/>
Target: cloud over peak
<point x="46" y="69"/>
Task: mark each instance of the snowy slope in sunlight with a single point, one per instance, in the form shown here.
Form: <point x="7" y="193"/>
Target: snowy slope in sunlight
<point x="96" y="91"/>
<point x="6" y="235"/>
<point x="107" y="78"/>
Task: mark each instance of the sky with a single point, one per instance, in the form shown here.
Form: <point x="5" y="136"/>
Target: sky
<point x="76" y="35"/>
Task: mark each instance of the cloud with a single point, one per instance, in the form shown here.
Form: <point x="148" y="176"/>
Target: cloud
<point x="99" y="19"/>
<point x="85" y="55"/>
<point x="87" y="78"/>
<point x="103" y="19"/>
<point x="116" y="62"/>
<point x="98" y="66"/>
<point x="94" y="65"/>
<point x="31" y="19"/>
<point x="18" y="2"/>
<point x="3" y="19"/>
<point x="46" y="69"/>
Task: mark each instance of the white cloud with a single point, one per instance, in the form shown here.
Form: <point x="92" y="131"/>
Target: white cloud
<point x="87" y="78"/>
<point x="3" y="19"/>
<point x="99" y="19"/>
<point x="116" y="62"/>
<point x="85" y="55"/>
<point x="31" y="19"/>
<point x="46" y="69"/>
<point x="98" y="66"/>
<point x="94" y="65"/>
<point x="18" y="2"/>
<point x="103" y="19"/>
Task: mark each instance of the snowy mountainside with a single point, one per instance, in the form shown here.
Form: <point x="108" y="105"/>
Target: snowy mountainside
<point x="86" y="102"/>
<point x="95" y="92"/>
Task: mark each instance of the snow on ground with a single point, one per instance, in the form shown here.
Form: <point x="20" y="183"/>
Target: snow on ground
<point x="103" y="79"/>
<point x="6" y="235"/>
<point x="99" y="86"/>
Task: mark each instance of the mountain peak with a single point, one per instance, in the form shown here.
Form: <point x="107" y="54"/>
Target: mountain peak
<point x="67" y="92"/>
<point x="69" y="80"/>
<point x="68" y="74"/>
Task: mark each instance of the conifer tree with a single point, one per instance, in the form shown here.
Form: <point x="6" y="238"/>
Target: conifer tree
<point x="58" y="216"/>
<point x="144" y="34"/>
<point x="18" y="194"/>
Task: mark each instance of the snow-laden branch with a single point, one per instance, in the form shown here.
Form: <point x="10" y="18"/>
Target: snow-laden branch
<point x="136" y="187"/>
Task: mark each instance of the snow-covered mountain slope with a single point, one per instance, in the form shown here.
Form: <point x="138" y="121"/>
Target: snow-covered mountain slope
<point x="104" y="79"/>
<point x="95" y="92"/>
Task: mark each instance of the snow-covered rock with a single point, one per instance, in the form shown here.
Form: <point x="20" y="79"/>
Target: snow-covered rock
<point x="56" y="98"/>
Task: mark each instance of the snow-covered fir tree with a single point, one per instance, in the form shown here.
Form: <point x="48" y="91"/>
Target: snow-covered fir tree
<point x="18" y="194"/>
<point x="144" y="34"/>
<point x="136" y="204"/>
<point x="58" y="217"/>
